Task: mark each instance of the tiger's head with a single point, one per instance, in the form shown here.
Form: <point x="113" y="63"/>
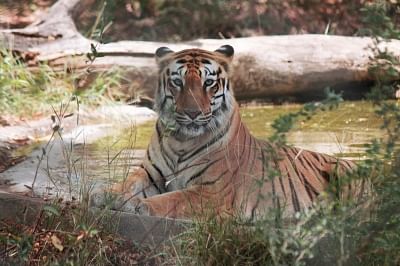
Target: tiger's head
<point x="194" y="94"/>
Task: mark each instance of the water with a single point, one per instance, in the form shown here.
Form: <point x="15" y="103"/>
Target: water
<point x="342" y="132"/>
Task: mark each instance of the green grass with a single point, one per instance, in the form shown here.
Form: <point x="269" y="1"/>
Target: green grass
<point x="26" y="92"/>
<point x="31" y="92"/>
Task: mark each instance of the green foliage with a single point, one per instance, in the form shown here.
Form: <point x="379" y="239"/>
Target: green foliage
<point x="215" y="240"/>
<point x="380" y="239"/>
<point x="177" y="20"/>
<point x="378" y="17"/>
<point x="33" y="91"/>
<point x="19" y="87"/>
<point x="104" y="18"/>
<point x="105" y="87"/>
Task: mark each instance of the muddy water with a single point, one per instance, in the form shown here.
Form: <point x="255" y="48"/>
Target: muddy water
<point x="342" y="132"/>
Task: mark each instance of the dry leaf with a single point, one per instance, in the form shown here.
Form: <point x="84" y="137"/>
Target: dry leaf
<point x="57" y="243"/>
<point x="81" y="235"/>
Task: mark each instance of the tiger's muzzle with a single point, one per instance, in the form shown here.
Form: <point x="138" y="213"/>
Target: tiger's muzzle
<point x="193" y="117"/>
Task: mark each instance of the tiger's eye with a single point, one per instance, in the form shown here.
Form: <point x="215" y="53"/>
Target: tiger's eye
<point x="178" y="82"/>
<point x="209" y="82"/>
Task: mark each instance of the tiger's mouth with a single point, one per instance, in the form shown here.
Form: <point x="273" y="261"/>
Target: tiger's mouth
<point x="191" y="121"/>
<point x="190" y="126"/>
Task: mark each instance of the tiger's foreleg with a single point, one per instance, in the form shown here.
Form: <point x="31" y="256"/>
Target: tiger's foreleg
<point x="196" y="200"/>
<point x="136" y="185"/>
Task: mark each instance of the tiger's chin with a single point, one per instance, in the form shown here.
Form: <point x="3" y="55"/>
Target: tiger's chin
<point x="193" y="130"/>
<point x="190" y="131"/>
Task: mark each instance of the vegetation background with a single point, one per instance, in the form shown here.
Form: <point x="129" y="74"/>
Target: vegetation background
<point x="341" y="232"/>
<point x="169" y="20"/>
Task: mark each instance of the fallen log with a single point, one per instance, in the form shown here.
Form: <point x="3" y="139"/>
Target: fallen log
<point x="264" y="67"/>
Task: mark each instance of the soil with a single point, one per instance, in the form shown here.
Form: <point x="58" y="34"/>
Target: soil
<point x="21" y="13"/>
<point x="51" y="240"/>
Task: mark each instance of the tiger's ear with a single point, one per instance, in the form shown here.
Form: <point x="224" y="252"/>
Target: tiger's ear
<point x="226" y="50"/>
<point x="161" y="52"/>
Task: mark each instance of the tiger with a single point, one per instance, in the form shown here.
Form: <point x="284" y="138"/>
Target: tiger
<point x="201" y="155"/>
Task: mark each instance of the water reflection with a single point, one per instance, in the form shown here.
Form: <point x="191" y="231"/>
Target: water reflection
<point x="345" y="144"/>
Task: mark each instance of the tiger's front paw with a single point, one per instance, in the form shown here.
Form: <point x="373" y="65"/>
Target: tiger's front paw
<point x="104" y="199"/>
<point x="133" y="205"/>
<point x="119" y="202"/>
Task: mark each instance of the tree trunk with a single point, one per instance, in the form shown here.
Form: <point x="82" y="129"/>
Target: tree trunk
<point x="264" y="67"/>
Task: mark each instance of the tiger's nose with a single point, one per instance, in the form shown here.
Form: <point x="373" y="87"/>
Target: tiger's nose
<point x="192" y="113"/>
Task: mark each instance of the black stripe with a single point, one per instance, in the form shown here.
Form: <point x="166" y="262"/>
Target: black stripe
<point x="202" y="172"/>
<point x="276" y="160"/>
<point x="253" y="161"/>
<point x="214" y="140"/>
<point x="152" y="182"/>
<point x="281" y="184"/>
<point x="244" y="146"/>
<point x="307" y="185"/>
<point x="219" y="96"/>
<point x="163" y="83"/>
<point x="164" y="102"/>
<point x="154" y="165"/>
<point x="162" y="150"/>
<point x="295" y="198"/>
<point x="253" y="211"/>
<point x="166" y="158"/>
<point x="158" y="131"/>
<point x="208" y="71"/>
